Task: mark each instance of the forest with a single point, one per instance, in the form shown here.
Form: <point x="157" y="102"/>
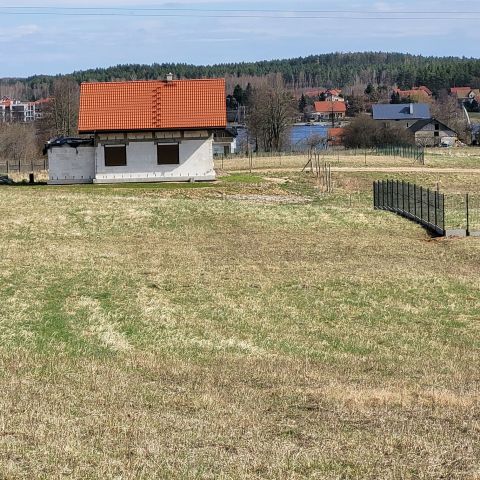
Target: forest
<point x="343" y="70"/>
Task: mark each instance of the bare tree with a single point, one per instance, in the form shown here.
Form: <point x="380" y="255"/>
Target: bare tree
<point x="18" y="143"/>
<point x="364" y="132"/>
<point x="271" y="113"/>
<point x="60" y="116"/>
<point x="448" y="110"/>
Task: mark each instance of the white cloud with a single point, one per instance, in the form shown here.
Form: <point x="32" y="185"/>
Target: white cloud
<point x="15" y="33"/>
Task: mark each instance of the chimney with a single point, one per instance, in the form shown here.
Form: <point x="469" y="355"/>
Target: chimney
<point x="411" y="109"/>
<point x="169" y="77"/>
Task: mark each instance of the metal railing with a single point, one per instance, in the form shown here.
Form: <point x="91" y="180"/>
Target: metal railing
<point x="422" y="205"/>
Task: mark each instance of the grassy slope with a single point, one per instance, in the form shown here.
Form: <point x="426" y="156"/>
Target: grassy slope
<point x="175" y="332"/>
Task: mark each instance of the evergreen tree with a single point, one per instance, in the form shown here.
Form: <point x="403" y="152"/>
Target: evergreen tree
<point x="302" y="103"/>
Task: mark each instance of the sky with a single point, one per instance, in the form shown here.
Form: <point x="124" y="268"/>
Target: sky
<point x="63" y="36"/>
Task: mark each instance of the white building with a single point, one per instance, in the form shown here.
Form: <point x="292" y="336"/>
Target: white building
<point x="143" y="131"/>
<point x="17" y="111"/>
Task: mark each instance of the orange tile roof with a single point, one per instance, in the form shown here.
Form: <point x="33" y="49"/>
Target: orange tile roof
<point x="329" y="107"/>
<point x="152" y="105"/>
<point x="414" y="92"/>
<point x="460" y="90"/>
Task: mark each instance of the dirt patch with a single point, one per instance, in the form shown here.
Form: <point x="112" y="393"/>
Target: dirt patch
<point x="268" y="199"/>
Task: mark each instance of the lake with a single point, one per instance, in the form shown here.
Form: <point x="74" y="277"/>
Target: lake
<point x="299" y="134"/>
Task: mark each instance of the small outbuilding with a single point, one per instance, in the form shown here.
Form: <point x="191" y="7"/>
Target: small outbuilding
<point x="142" y="131"/>
<point x="433" y="133"/>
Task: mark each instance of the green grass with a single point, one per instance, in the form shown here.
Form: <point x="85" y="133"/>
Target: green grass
<point x="165" y="331"/>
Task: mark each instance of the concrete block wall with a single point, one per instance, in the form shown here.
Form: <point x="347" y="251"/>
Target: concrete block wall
<point x="71" y="165"/>
<point x="86" y="164"/>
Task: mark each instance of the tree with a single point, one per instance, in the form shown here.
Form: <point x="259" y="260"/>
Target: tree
<point x="18" y="142"/>
<point x="60" y="117"/>
<point x="302" y="104"/>
<point x="364" y="132"/>
<point x="448" y="110"/>
<point x="271" y="112"/>
<point x="360" y="133"/>
<point x="238" y="94"/>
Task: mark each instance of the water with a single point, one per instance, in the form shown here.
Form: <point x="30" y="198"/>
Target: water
<point x="299" y="135"/>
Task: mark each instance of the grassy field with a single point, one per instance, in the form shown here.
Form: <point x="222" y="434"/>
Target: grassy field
<point x="248" y="328"/>
<point x="434" y="158"/>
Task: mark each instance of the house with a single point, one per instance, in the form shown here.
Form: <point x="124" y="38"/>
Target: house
<point x="335" y="136"/>
<point x="143" y="131"/>
<point x="433" y="133"/>
<point x="225" y="141"/>
<point x="405" y="114"/>
<point x="465" y="93"/>
<point x="328" y="110"/>
<point x="17" y="111"/>
<point x="421" y="93"/>
<point x="332" y="95"/>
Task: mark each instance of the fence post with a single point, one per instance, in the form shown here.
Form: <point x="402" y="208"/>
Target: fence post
<point x="443" y="209"/>
<point x="421" y="204"/>
<point x="468" y="213"/>
<point x="415" y="200"/>
<point x="428" y="205"/>
<point x="408" y="197"/>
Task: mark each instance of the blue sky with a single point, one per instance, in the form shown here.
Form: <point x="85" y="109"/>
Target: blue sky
<point x="49" y="44"/>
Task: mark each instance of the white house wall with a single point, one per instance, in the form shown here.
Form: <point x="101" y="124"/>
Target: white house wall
<point x="71" y="165"/>
<point x="195" y="156"/>
<point x="86" y="164"/>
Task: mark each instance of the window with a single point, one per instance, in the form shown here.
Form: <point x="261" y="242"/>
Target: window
<point x="168" y="154"/>
<point x="115" y="155"/>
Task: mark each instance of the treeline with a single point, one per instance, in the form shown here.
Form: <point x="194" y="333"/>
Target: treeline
<point x="327" y="70"/>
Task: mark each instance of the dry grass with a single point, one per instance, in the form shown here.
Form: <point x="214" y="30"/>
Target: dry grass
<point x="339" y="159"/>
<point x="434" y="158"/>
<point x="183" y="332"/>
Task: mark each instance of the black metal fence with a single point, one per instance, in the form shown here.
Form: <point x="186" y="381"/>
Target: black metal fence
<point x="422" y="205"/>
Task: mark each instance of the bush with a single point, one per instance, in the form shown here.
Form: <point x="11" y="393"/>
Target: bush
<point x="364" y="132"/>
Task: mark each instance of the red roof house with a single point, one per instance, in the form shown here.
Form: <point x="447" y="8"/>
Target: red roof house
<point x="329" y="110"/>
<point x="142" y="131"/>
<point x="152" y="105"/>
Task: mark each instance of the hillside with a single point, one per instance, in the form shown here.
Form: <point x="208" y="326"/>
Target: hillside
<point x="334" y="69"/>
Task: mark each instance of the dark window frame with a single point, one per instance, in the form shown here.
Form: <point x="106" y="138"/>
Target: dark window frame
<point x="170" y="155"/>
<point x="118" y="160"/>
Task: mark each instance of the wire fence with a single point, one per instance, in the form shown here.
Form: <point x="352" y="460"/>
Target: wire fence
<point x="450" y="215"/>
<point x="415" y="153"/>
<point x="31" y="166"/>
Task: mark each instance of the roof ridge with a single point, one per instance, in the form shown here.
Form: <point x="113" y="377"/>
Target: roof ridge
<point x="160" y="81"/>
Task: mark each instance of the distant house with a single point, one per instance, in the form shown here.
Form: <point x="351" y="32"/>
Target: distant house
<point x="143" y="131"/>
<point x="405" y="114"/>
<point x="465" y="93"/>
<point x="421" y="93"/>
<point x="225" y="141"/>
<point x="328" y="110"/>
<point x="332" y="95"/>
<point x="335" y="136"/>
<point x="433" y="133"/>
